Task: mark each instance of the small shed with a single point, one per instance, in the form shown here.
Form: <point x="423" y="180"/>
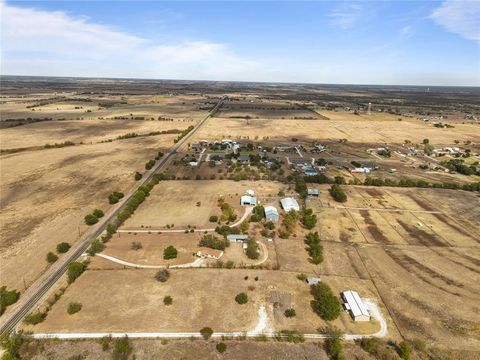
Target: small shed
<point x="248" y="200"/>
<point x="355" y="306"/>
<point x="313" y="192"/>
<point x="289" y="203"/>
<point x="271" y="213"/>
<point x="237" y="237"/>
<point x="312" y="280"/>
<point x="244" y="158"/>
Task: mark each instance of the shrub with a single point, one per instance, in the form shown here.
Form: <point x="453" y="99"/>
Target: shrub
<point x="309" y="219"/>
<point x="206" y="332"/>
<point x="90" y="219"/>
<point x="334" y="344"/>
<point x="63" y="247"/>
<point x="105" y="342"/>
<point x="213" y="218"/>
<point x="74" y="270"/>
<point x="325" y="302"/>
<point x="370" y="345"/>
<point x="302" y="277"/>
<point x="122" y="349"/>
<point x="241" y="298"/>
<point x="95" y="247"/>
<point x="337" y="193"/>
<point x="221" y="347"/>
<point x="269" y="225"/>
<point x="162" y="275"/>
<point x="35" y="318"/>
<point x="170" y="253"/>
<point x="167" y="300"/>
<point x="138" y="176"/>
<point x="136" y="245"/>
<point x="314" y="248"/>
<point x="51" y="257"/>
<point x="112" y="199"/>
<point x="404" y="350"/>
<point x="74" y="308"/>
<point x="98" y="213"/>
<point x="7" y="298"/>
<point x="290" y="336"/>
<point x="290" y="313"/>
<point x="149" y="164"/>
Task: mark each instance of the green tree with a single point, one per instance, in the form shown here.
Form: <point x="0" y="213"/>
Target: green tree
<point x="325" y="302"/>
<point x="35" y="318"/>
<point x="309" y="219"/>
<point x="252" y="249"/>
<point x="98" y="213"/>
<point x="95" y="247"/>
<point x="90" y="219"/>
<point x="74" y="307"/>
<point x="334" y="344"/>
<point x="213" y="219"/>
<point x="170" y="252"/>
<point x="241" y="298"/>
<point x="206" y="332"/>
<point x="74" y="270"/>
<point x="51" y="257"/>
<point x="63" y="247"/>
<point x="138" y="176"/>
<point x="404" y="350"/>
<point x="213" y="242"/>
<point x="290" y="313"/>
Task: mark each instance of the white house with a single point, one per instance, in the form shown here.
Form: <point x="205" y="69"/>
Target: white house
<point x="205" y="252"/>
<point x="355" y="306"/>
<point x="289" y="203"/>
<point x="248" y="200"/>
<point x="271" y="213"/>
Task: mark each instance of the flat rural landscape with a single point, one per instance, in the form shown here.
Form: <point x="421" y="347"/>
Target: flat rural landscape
<point x="274" y="220"/>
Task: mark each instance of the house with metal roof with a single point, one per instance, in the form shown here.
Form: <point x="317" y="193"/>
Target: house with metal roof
<point x="248" y="200"/>
<point x="289" y="203"/>
<point x="205" y="252"/>
<point x="237" y="237"/>
<point x="271" y="213"/>
<point x="355" y="306"/>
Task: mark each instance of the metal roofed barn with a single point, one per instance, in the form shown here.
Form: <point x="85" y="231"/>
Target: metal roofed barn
<point x="271" y="213"/>
<point x="248" y="200"/>
<point x="355" y="306"/>
<point x="289" y="203"/>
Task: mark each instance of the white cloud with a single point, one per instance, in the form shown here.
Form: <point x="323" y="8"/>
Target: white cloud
<point x="461" y="17"/>
<point x="346" y="15"/>
<point x="406" y="32"/>
<point x="39" y="42"/>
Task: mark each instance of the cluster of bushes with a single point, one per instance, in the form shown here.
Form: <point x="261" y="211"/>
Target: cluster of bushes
<point x="149" y="164"/>
<point x="114" y="197"/>
<point x="213" y="242"/>
<point x="92" y="218"/>
<point x="459" y="166"/>
<point x="290" y="313"/>
<point x="59" y="145"/>
<point x="309" y="219"/>
<point x="325" y="303"/>
<point x="314" y="248"/>
<point x="127" y="136"/>
<point x="228" y="213"/>
<point x="122" y="349"/>
<point x="213" y="218"/>
<point x="62" y="248"/>
<point x="137" y="176"/>
<point x="337" y="193"/>
<point x="183" y="134"/>
<point x="170" y="252"/>
<point x="73" y="308"/>
<point x="383" y="350"/>
<point x="252" y="249"/>
<point x="292" y="336"/>
<point x="258" y="213"/>
<point x="7" y="298"/>
<point x="334" y="344"/>
<point x="35" y="318"/>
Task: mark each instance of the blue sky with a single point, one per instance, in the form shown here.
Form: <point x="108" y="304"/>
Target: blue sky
<point x="352" y="42"/>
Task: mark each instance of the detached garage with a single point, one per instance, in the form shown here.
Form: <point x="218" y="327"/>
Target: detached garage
<point x="355" y="306"/>
<point x="271" y="213"/>
<point x="248" y="200"/>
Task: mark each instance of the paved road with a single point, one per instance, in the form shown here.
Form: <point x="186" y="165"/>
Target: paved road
<point x="40" y="287"/>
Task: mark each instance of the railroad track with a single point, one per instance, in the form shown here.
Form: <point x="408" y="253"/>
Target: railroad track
<point x="41" y="286"/>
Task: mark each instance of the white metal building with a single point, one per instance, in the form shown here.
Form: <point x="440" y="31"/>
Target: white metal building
<point x="271" y="213"/>
<point x="355" y="306"/>
<point x="237" y="237"/>
<point x="248" y="200"/>
<point x="289" y="203"/>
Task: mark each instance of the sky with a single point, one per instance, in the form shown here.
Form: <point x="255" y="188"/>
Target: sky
<point x="341" y="42"/>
